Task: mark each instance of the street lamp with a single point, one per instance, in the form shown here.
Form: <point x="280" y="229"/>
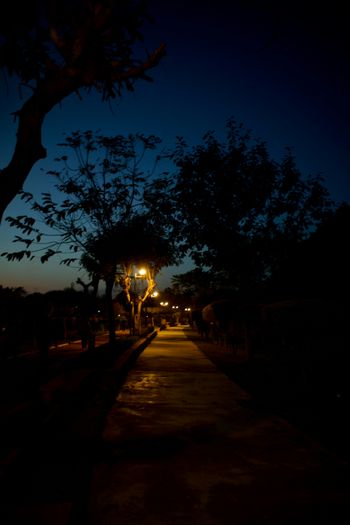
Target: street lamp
<point x="141" y="274"/>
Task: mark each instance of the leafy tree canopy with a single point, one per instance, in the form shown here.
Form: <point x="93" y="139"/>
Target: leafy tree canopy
<point x="110" y="212"/>
<point x="243" y="211"/>
<point x="319" y="266"/>
<point x="110" y="208"/>
<point x="60" y="47"/>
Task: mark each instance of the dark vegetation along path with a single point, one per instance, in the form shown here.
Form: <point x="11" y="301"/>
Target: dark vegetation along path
<point x="50" y="426"/>
<point x="184" y="445"/>
<point x="321" y="410"/>
<point x="50" y="448"/>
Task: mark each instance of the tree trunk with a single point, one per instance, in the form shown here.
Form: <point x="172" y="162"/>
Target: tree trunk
<point x="29" y="148"/>
<point x="110" y="310"/>
<point x="139" y="324"/>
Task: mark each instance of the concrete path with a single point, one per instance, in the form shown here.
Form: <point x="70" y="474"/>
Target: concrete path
<point x="180" y="446"/>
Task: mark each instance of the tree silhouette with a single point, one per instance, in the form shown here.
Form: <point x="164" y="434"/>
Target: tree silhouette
<point x="318" y="267"/>
<point x="111" y="211"/>
<point x="57" y="48"/>
<point x="244" y="212"/>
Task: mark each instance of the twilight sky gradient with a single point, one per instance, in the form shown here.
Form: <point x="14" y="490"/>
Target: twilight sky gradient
<point x="280" y="68"/>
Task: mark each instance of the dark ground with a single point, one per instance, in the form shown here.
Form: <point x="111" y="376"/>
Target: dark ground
<point x="34" y="402"/>
<point x="49" y="445"/>
<point x="320" y="408"/>
<point x="50" y="426"/>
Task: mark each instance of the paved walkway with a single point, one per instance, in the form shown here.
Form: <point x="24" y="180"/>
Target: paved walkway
<point x="181" y="447"/>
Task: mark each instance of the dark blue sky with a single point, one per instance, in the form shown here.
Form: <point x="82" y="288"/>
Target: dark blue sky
<point x="280" y="68"/>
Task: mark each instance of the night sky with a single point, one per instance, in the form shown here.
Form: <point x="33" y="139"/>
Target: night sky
<point x="279" y="68"/>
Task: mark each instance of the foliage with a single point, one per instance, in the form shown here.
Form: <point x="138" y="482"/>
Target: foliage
<point x="56" y="49"/>
<point x="111" y="212"/>
<point x="319" y="266"/>
<point x="242" y="211"/>
<point x="10" y="299"/>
